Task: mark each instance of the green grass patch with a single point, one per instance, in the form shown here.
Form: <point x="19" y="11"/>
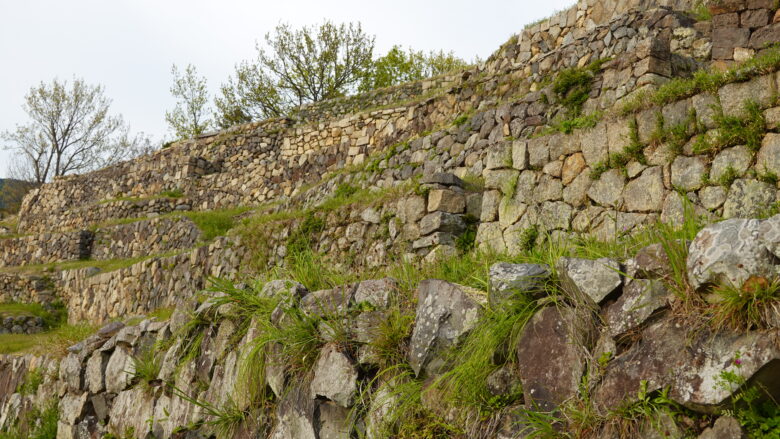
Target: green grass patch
<point x="705" y="81"/>
<point x="52" y="343"/>
<point x="214" y="223"/>
<point x="51" y="318"/>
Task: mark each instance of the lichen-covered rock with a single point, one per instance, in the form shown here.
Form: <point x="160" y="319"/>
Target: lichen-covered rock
<point x="687" y="172"/>
<point x="508" y="279"/>
<point x="728" y="253"/>
<point x="646" y="193"/>
<point x="442" y="222"/>
<point x="328" y="302"/>
<point x="377" y="292"/>
<point x="558" y="333"/>
<point x="594" y="279"/>
<point x="335" y="421"/>
<point x="640" y="300"/>
<point x="725" y="427"/>
<point x="71" y="373"/>
<point x="445" y="313"/>
<point x="295" y="415"/>
<point x="607" y="190"/>
<point x="118" y="370"/>
<point x="749" y="199"/>
<point x="335" y="377"/>
<point x="690" y="364"/>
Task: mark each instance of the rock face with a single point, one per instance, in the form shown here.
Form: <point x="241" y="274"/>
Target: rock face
<point x="559" y="334"/>
<point x="593" y="280"/>
<point x="445" y="313"/>
<point x="689" y="364"/>
<point x="335" y="377"/>
<point x="507" y="280"/>
<point x="732" y="251"/>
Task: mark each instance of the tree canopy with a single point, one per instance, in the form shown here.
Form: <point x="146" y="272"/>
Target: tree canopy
<point x="191" y="116"/>
<point x="398" y="66"/>
<point x="70" y="131"/>
<point x="303" y="65"/>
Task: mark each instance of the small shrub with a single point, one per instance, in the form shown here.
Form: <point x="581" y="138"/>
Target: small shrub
<point x="750" y="307"/>
<point x="32" y="381"/>
<point x="146" y="367"/>
<point x="172" y="193"/>
<point x="741" y="130"/>
<point x="528" y="238"/>
<point x="728" y="177"/>
<point x="460" y="120"/>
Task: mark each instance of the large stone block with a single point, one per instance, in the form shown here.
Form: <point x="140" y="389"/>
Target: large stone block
<point x="646" y="193"/>
<point x="446" y="312"/>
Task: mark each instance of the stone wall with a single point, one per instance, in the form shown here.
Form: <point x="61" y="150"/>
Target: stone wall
<point x="159" y="282"/>
<point x="265" y="161"/>
<point x="741" y="28"/>
<point x="44" y="248"/>
<point x="141" y="238"/>
<point x="24" y="288"/>
<point x="608" y="316"/>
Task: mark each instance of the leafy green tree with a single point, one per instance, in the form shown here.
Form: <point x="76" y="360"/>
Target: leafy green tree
<point x="191" y="116"/>
<point x="398" y="66"/>
<point x="70" y="131"/>
<point x="303" y="65"/>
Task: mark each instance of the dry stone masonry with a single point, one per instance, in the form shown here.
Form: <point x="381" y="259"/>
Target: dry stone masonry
<point x="559" y="134"/>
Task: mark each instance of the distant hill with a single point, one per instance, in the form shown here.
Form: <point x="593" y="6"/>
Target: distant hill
<point x="11" y="193"/>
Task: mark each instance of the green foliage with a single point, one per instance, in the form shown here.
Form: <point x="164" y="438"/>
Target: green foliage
<point x="728" y="177"/>
<point x="568" y="126"/>
<point x="752" y="406"/>
<point x="32" y="380"/>
<point x="191" y="116"/>
<point x="460" y="120"/>
<point x="705" y="81"/>
<point x="700" y="11"/>
<point x="572" y="87"/>
<point x="750" y="307"/>
<point x="528" y="238"/>
<point x="214" y="223"/>
<point x="398" y="66"/>
<point x="224" y="419"/>
<point x="465" y="383"/>
<point x="37" y="423"/>
<point x="52" y="317"/>
<point x="748" y="129"/>
<point x="466" y="241"/>
<point x="172" y="193"/>
<point x="146" y="367"/>
<point x="304" y="236"/>
<point x="304" y="65"/>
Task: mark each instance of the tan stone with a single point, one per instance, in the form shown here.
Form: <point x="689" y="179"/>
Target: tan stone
<point x="572" y="166"/>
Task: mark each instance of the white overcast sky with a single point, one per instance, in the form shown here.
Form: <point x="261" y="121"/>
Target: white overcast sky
<point x="128" y="46"/>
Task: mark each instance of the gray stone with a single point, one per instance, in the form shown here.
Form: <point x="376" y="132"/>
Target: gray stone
<point x="118" y="370"/>
<point x="688" y="173"/>
<point x="594" y="145"/>
<point x="548" y="189"/>
<point x="689" y="362"/>
<point x="499" y="178"/>
<point x="734" y="96"/>
<point x="608" y="189"/>
<point x="70" y="372"/>
<point x="499" y="156"/>
<point x="502" y="381"/>
<point x="283" y="287"/>
<point x="72" y="407"/>
<point x="328" y="302"/>
<point x="594" y="279"/>
<point x="378" y="292"/>
<point x="335" y="421"/>
<point x="95" y="370"/>
<point x="411" y="209"/>
<point x="335" y="377"/>
<point x="519" y="155"/>
<point x="442" y="222"/>
<point x="490" y="237"/>
<point x="749" y="199"/>
<point x="508" y="279"/>
<point x="446" y="312"/>
<point x="726" y="427"/>
<point x="443" y="178"/>
<point x="737" y="158"/>
<point x="490" y="203"/>
<point x="576" y="193"/>
<point x="295" y="415"/>
<point x="768" y="160"/>
<point x="640" y="300"/>
<point x="371" y="215"/>
<point x="729" y="253"/>
<point x="712" y="197"/>
<point x="553" y="333"/>
<point x="555" y="215"/>
<point x="646" y="193"/>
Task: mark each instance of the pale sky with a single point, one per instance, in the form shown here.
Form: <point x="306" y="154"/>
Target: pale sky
<point x="128" y="46"/>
